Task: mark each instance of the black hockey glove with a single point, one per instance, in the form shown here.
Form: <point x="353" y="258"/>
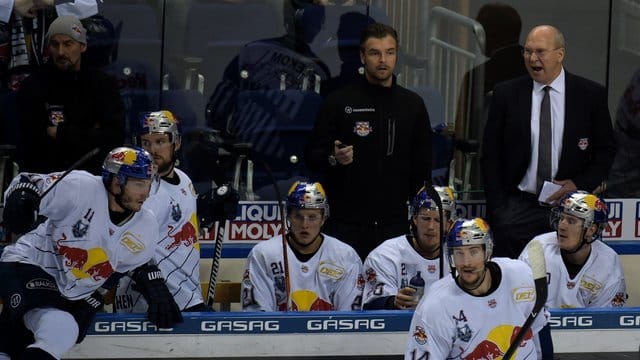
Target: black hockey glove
<point x="21" y="207"/>
<point x="219" y="204"/>
<point x="163" y="310"/>
<point x="84" y="311"/>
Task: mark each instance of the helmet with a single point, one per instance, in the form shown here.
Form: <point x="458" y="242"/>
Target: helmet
<point x="304" y="195"/>
<point x="159" y="122"/>
<point x="424" y="201"/>
<point x="470" y="232"/>
<point x="127" y="162"/>
<point x="585" y="206"/>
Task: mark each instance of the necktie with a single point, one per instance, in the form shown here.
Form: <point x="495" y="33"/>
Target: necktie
<point x="544" y="141"/>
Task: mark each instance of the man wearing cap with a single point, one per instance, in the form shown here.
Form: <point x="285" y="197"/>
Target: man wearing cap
<point x="67" y="107"/>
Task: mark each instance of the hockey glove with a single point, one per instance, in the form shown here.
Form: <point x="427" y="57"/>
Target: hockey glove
<point x="84" y="311"/>
<point x="21" y="207"/>
<point x="163" y="310"/>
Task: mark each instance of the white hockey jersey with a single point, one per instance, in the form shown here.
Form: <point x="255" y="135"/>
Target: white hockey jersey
<point x="330" y="280"/>
<point x="391" y="265"/>
<point x="452" y="324"/>
<point x="600" y="282"/>
<point x="177" y="251"/>
<point x="78" y="245"/>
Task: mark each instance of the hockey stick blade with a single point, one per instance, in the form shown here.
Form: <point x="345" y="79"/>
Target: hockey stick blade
<point x="75" y="165"/>
<point x="539" y="270"/>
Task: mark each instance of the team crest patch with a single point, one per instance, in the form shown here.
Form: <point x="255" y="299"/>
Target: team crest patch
<point x="570" y="284"/>
<point x="362" y="128"/>
<point x="56" y="117"/>
<point x="419" y="335"/>
<point x="431" y="269"/>
<point x="464" y="333"/>
<point x="583" y="143"/>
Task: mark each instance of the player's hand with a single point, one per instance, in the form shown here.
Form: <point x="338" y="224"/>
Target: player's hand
<point x="163" y="310"/>
<point x="343" y="153"/>
<point x="567" y="187"/>
<point x="21" y="207"/>
<point x="404" y="299"/>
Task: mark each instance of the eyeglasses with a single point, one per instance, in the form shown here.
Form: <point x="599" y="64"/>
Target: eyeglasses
<point x="299" y="218"/>
<point x="541" y="54"/>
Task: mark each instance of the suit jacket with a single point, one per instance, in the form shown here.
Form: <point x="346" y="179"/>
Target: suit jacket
<point x="588" y="145"/>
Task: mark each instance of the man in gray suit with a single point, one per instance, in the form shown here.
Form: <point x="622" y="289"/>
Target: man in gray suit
<point x="579" y="140"/>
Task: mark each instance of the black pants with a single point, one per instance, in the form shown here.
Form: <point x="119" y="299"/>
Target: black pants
<point x="516" y="222"/>
<point x="364" y="237"/>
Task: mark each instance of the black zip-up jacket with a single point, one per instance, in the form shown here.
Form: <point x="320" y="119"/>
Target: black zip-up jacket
<point x="92" y="111"/>
<point x="389" y="129"/>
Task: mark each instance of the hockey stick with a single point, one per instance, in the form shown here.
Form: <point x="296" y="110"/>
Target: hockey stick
<point x="431" y="191"/>
<point x="75" y="165"/>
<point x="538" y="267"/>
<point x="217" y="252"/>
<point x="283" y="232"/>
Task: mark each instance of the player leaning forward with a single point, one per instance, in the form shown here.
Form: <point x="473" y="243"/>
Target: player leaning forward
<point x="52" y="276"/>
<point x="475" y="313"/>
<point x="317" y="272"/>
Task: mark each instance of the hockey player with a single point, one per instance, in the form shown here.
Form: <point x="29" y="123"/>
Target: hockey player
<point x="318" y="272"/>
<point x="583" y="272"/>
<point x="401" y="268"/>
<point x="177" y="251"/>
<point x="95" y="226"/>
<point x="475" y="313"/>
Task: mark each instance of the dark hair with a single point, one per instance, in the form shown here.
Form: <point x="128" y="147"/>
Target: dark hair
<point x="378" y="31"/>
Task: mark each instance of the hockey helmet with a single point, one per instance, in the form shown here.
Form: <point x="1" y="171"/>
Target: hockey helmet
<point x="162" y="121"/>
<point x="423" y="201"/>
<point x="128" y="162"/>
<point x="470" y="232"/>
<point x="585" y="206"/>
<point x="306" y="195"/>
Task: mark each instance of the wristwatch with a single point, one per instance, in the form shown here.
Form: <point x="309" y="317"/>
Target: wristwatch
<point x="332" y="160"/>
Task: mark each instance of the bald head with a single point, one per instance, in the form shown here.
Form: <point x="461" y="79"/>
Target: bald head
<point x="544" y="53"/>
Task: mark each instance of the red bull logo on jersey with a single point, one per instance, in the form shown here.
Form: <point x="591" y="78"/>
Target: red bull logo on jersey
<point x="419" y="335"/>
<point x="187" y="236"/>
<point x="496" y="343"/>
<point x="85" y="263"/>
<point x="308" y="300"/>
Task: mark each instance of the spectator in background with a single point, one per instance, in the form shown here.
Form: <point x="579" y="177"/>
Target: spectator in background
<point x="372" y="143"/>
<point x="502" y="27"/>
<point x="624" y="178"/>
<point x="67" y="107"/>
<point x="317" y="272"/>
<point x="399" y="270"/>
<point x="22" y="28"/>
<point x="178" y="250"/>
<point x="582" y="272"/>
<point x="574" y="152"/>
<point x="350" y="27"/>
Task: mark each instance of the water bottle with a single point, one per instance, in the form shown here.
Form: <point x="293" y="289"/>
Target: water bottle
<point x="417" y="283"/>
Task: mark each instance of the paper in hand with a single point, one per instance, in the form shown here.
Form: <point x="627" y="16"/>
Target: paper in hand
<point x="548" y="189"/>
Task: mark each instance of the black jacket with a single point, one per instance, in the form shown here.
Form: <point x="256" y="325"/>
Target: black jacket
<point x="93" y="112"/>
<point x="588" y="145"/>
<point x="389" y="129"/>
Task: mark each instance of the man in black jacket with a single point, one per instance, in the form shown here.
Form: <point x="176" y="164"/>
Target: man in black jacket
<point x="66" y="107"/>
<point x="580" y="142"/>
<point x="372" y="141"/>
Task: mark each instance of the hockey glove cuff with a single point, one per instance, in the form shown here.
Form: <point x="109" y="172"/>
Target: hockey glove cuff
<point x="163" y="310"/>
